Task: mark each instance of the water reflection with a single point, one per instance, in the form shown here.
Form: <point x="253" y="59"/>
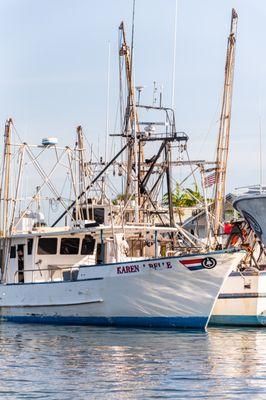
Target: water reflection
<point x="40" y="361"/>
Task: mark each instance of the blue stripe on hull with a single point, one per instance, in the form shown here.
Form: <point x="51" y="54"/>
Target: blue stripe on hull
<point x="238" y="320"/>
<point x="145" y="322"/>
<point x="255" y="295"/>
<point x="195" y="267"/>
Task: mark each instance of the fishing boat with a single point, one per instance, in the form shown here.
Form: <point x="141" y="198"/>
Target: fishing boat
<point x="132" y="266"/>
<point x="242" y="300"/>
<point x="76" y="276"/>
<point x="95" y="271"/>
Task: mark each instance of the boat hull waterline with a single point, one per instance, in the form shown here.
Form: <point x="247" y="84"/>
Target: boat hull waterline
<point x="177" y="292"/>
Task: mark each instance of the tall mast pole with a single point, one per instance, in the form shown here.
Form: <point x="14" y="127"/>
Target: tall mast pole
<point x="82" y="172"/>
<point x="131" y="124"/>
<point x="107" y="104"/>
<point x="6" y="177"/>
<point x="5" y="193"/>
<point x="81" y="159"/>
<point x="174" y="57"/>
<point x="224" y="127"/>
<point x="134" y="127"/>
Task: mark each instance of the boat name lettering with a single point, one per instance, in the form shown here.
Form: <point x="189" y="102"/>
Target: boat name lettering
<point x="160" y="265"/>
<point x="128" y="269"/>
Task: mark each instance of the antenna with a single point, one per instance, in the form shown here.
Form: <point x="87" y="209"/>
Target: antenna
<point x="260" y="152"/>
<point x="174" y="58"/>
<point x="161" y="95"/>
<point x="136" y="156"/>
<point x="154" y="93"/>
<point x="107" y="102"/>
<point x="132" y="36"/>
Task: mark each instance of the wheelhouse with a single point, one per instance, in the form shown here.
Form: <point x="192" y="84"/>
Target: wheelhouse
<point x="50" y="255"/>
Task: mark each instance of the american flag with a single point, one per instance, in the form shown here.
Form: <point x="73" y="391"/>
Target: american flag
<point x="210" y="180"/>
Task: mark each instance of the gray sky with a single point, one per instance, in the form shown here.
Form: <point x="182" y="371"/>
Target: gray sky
<point x="54" y="66"/>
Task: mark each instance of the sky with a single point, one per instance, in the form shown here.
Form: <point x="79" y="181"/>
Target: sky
<point x="54" y="58"/>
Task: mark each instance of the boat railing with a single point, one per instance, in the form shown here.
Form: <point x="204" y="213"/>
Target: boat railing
<point x="53" y="273"/>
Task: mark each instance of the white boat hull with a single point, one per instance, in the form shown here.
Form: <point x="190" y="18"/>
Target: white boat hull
<point x="166" y="292"/>
<point x="242" y="301"/>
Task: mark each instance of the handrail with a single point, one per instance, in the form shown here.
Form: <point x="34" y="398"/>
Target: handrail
<point x="50" y="270"/>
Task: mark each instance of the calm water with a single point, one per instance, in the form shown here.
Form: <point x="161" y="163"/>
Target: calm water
<point x="52" y="362"/>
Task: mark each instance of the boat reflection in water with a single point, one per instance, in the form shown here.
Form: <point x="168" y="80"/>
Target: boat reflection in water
<point x="132" y="363"/>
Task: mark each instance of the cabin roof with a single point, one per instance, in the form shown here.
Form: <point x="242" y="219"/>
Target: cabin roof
<point x="62" y="231"/>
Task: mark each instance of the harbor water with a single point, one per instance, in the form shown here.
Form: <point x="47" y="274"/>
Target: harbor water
<point x="72" y="362"/>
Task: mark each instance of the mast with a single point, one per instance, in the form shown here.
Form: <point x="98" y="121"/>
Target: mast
<point x="107" y="104"/>
<point x="174" y="56"/>
<point x="82" y="173"/>
<point x="224" y="127"/>
<point x="131" y="123"/>
<point x="140" y="173"/>
<point x="5" y="193"/>
<point x="81" y="159"/>
<point x="6" y="178"/>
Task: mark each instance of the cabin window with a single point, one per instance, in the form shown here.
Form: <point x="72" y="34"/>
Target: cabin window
<point x="29" y="246"/>
<point x="99" y="215"/>
<point x="47" y="246"/>
<point x="69" y="246"/>
<point x="20" y="255"/>
<point x="88" y="244"/>
<point x="13" y="252"/>
<point x="100" y="253"/>
<point x="92" y="213"/>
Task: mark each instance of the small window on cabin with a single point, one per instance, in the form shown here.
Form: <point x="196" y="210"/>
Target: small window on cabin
<point x="88" y="244"/>
<point x="69" y="246"/>
<point x="13" y="252"/>
<point x="47" y="246"/>
<point x="100" y="253"/>
<point x="29" y="246"/>
<point x="99" y="215"/>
